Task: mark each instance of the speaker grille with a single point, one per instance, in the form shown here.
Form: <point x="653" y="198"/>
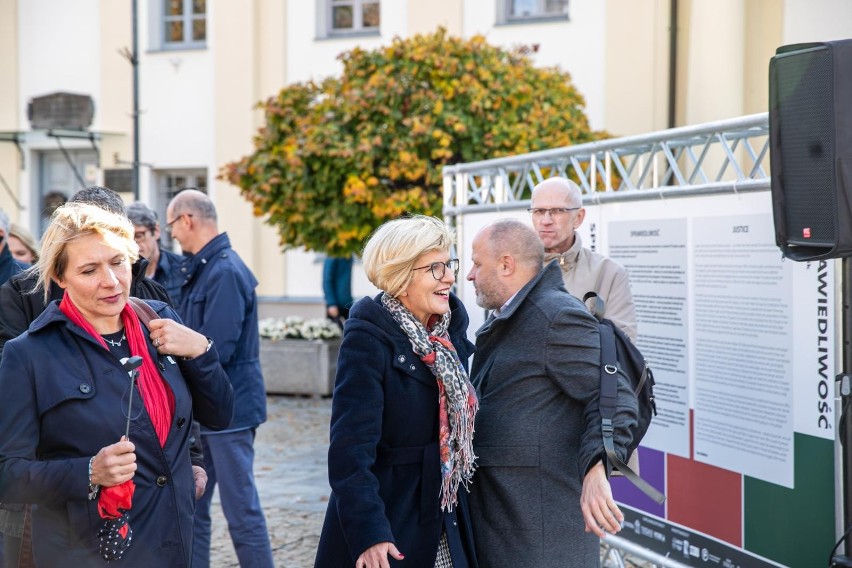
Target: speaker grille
<point x="803" y="83"/>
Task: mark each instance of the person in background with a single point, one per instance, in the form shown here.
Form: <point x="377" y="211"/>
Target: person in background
<point x="541" y="495"/>
<point x="557" y="212"/>
<point x="9" y="266"/>
<point x="67" y="413"/>
<point x="218" y="299"/>
<point x="401" y="451"/>
<point x="163" y="265"/>
<point x="22" y="244"/>
<point x="337" y="287"/>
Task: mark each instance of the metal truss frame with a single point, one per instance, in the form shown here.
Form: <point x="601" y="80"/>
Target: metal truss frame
<point x="727" y="155"/>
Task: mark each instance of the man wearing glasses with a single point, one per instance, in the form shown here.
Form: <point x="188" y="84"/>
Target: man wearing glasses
<point x="557" y="212"/>
<point x="218" y="299"/>
<point x="163" y="265"/>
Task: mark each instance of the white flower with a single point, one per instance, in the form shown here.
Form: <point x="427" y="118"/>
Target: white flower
<point x="295" y="327"/>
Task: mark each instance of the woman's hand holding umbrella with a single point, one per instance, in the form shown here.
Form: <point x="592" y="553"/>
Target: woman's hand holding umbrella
<point x="114" y="464"/>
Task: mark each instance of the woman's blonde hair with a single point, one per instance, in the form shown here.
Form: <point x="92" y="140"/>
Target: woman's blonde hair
<point x="395" y="246"/>
<point x="25" y="237"/>
<point x="72" y="221"/>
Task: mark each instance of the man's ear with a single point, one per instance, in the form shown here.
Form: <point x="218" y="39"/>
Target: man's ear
<point x="156" y="231"/>
<point x="507" y="265"/>
<point x="578" y="218"/>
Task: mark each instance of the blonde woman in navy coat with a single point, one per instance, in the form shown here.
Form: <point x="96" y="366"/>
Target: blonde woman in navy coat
<point x="67" y="394"/>
<point x="402" y="413"/>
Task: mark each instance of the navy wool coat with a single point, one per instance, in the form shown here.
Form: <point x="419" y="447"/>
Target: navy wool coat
<point x="383" y="462"/>
<point x="218" y="299"/>
<point x="65" y="399"/>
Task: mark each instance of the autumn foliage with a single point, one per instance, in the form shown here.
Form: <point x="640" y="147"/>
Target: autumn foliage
<point x="336" y="159"/>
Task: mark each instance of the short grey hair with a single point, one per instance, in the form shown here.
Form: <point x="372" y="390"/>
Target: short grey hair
<point x="142" y="215"/>
<point x="395" y="246"/>
<point x="519" y="240"/>
<point x="191" y="200"/>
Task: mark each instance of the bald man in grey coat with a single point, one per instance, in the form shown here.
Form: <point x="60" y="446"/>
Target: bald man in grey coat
<point x="540" y="497"/>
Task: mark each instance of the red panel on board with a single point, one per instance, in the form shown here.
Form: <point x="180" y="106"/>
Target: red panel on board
<point x="705" y="498"/>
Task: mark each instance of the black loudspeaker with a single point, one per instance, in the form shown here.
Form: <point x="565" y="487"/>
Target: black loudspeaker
<point x="810" y="145"/>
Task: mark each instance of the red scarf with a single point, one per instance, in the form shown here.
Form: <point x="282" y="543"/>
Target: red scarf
<point x="158" y="398"/>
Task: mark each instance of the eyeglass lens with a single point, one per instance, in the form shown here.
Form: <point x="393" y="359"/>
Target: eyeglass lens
<point x="440" y="268"/>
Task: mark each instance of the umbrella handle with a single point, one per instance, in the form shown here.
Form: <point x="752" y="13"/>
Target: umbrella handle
<point x="131" y="365"/>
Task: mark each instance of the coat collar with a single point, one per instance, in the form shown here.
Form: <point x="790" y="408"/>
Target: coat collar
<point x="195" y="263"/>
<point x="370" y="312"/>
<point x="568" y="259"/>
<point x="549" y="276"/>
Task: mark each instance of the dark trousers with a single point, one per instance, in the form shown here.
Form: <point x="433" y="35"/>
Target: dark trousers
<point x="229" y="461"/>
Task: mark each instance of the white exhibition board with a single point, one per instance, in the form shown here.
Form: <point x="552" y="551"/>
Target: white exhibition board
<point x="739" y="337"/>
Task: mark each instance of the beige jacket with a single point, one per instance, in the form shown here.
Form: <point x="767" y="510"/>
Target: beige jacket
<point x="586" y="271"/>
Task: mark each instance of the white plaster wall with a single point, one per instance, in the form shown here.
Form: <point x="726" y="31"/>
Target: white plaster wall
<point x="312" y="57"/>
<point x="176" y="102"/>
<point x="817" y="20"/>
<point x="577" y="46"/>
<point x="59" y="50"/>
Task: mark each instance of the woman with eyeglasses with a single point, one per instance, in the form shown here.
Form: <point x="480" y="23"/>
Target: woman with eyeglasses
<point x="403" y="408"/>
<point x="76" y="428"/>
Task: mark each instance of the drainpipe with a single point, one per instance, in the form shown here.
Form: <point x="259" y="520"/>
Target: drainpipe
<point x="134" y="60"/>
<point x="672" y="62"/>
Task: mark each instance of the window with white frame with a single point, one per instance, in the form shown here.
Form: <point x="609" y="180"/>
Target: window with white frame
<point x="519" y="10"/>
<point x="184" y="24"/>
<point x="353" y="16"/>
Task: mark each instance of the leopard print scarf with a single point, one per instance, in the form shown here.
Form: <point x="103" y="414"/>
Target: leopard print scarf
<point x="457" y="402"/>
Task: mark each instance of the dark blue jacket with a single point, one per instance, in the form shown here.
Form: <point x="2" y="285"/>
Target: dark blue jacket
<point x="8" y="265"/>
<point x="383" y="462"/>
<point x="169" y="275"/>
<point x="64" y="400"/>
<point x="337" y="281"/>
<point x="218" y="300"/>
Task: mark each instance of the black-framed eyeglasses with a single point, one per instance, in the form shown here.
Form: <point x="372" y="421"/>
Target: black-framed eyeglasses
<point x="440" y="268"/>
<point x="175" y="220"/>
<point x="554" y="211"/>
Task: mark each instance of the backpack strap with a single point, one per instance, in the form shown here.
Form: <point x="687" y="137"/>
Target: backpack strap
<point x="599" y="309"/>
<point x="608" y="404"/>
<point x="144" y="312"/>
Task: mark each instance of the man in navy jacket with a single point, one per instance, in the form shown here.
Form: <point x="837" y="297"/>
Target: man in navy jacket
<point x="218" y="299"/>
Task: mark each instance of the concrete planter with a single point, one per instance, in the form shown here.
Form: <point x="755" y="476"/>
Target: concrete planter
<point x="299" y="366"/>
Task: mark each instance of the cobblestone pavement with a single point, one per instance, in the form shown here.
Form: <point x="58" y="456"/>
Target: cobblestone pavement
<point x="290" y="470"/>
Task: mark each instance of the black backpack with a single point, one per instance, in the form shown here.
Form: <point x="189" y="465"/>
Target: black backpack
<point x="619" y="354"/>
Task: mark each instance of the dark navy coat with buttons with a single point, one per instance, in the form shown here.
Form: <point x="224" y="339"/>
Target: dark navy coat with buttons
<point x="65" y="398"/>
<point x="218" y="300"/>
<point x="383" y="462"/>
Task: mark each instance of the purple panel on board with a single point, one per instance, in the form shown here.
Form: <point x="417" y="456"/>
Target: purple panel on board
<point x="652" y="468"/>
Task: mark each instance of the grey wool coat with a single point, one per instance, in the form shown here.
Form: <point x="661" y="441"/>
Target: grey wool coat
<point x="536" y="370"/>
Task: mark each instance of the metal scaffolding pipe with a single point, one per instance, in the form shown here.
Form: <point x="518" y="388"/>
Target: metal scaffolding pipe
<point x="640" y="552"/>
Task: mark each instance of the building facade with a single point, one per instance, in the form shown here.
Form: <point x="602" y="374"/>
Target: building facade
<point x="642" y="65"/>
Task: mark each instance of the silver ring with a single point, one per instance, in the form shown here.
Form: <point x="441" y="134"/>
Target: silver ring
<point x="156" y="342"/>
